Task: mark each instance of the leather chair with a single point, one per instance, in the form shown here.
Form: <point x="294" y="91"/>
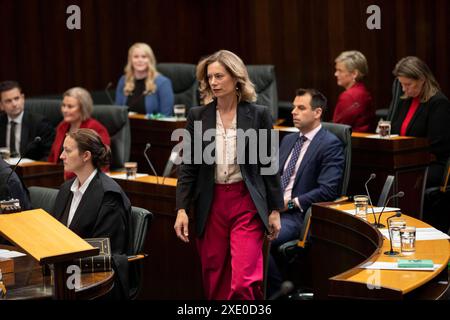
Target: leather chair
<point x="264" y="79"/>
<point x="42" y="197"/>
<point x="388" y="113"/>
<point x="139" y="225"/>
<point x="184" y="82"/>
<point x="385" y="191"/>
<point x="344" y="133"/>
<point x="115" y="119"/>
<point x="50" y="108"/>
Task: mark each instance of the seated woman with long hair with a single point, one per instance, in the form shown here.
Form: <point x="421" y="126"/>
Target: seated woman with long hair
<point x="76" y="109"/>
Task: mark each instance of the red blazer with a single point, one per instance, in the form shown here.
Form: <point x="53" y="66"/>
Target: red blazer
<point x="355" y="108"/>
<point x="63" y="128"/>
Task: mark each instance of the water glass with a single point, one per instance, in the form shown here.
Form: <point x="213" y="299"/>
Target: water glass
<point x="361" y="204"/>
<point x="384" y="129"/>
<point x="131" y="169"/>
<point x="408" y="240"/>
<point x="179" y="110"/>
<point x="395" y="225"/>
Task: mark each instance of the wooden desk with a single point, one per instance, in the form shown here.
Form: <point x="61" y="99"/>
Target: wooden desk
<point x="28" y="282"/>
<point x="172" y="270"/>
<point x="158" y="133"/>
<point x="342" y="242"/>
<point x="43" y="174"/>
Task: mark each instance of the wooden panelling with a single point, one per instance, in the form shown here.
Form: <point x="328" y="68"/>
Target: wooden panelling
<point x="300" y="37"/>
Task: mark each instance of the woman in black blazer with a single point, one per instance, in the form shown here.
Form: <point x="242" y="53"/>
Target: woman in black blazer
<point x="236" y="194"/>
<point x="424" y="111"/>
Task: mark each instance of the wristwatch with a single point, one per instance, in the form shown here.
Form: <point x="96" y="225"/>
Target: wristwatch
<point x="291" y="204"/>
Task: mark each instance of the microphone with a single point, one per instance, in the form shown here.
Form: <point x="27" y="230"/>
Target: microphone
<point x="400" y="194"/>
<point x="108" y="94"/>
<point x="147" y="146"/>
<point x="286" y="288"/>
<point x="36" y="140"/>
<point x="13" y="205"/>
<point x="392" y="252"/>
<point x="372" y="176"/>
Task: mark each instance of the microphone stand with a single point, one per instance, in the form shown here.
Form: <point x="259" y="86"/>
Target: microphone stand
<point x="150" y="163"/>
<point x="372" y="176"/>
<point x="391" y="252"/>
<point x="400" y="194"/>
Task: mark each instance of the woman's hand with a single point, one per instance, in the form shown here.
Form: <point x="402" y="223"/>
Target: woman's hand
<point x="181" y="225"/>
<point x="274" y="225"/>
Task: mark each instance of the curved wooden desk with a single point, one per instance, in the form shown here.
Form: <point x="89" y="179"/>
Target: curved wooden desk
<point x="341" y="243"/>
<point x="28" y="282"/>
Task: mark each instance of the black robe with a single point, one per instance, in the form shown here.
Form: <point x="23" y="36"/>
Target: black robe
<point x="104" y="211"/>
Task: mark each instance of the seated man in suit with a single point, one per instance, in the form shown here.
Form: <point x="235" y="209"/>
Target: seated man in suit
<point x="19" y="127"/>
<point x="311" y="169"/>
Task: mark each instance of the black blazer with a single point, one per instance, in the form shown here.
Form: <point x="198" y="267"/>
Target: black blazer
<point x="104" y="211"/>
<point x="432" y="121"/>
<point x="33" y="125"/>
<point x="196" y="181"/>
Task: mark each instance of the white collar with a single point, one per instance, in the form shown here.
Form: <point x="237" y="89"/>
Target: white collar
<point x="310" y="135"/>
<point x="75" y="185"/>
<point x="17" y="120"/>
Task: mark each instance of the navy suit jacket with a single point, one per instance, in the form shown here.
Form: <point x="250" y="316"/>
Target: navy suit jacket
<point x="320" y="173"/>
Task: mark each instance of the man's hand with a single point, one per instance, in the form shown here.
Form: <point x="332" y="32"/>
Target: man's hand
<point x="274" y="225"/>
<point x="181" y="225"/>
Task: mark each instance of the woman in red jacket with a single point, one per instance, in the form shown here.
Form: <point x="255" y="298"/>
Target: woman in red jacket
<point x="76" y="109"/>
<point x="354" y="106"/>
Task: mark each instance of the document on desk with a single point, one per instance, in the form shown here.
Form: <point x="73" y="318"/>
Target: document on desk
<point x="376" y="209"/>
<point x="377" y="136"/>
<point x="123" y="176"/>
<point x="7" y="254"/>
<point x="13" y="161"/>
<point x="423" y="234"/>
<point x="381" y="265"/>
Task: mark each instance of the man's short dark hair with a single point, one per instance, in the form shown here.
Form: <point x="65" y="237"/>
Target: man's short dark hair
<point x="318" y="100"/>
<point x="9" y="85"/>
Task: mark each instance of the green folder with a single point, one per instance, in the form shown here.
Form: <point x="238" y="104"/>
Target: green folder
<point x="417" y="263"/>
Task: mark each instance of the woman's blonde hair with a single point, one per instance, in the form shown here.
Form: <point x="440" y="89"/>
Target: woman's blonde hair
<point x="354" y="60"/>
<point x="150" y="85"/>
<point x="413" y="68"/>
<point x="245" y="89"/>
<point x="84" y="99"/>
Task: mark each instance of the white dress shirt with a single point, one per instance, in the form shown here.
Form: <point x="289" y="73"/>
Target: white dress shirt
<point x="78" y="193"/>
<point x="288" y="191"/>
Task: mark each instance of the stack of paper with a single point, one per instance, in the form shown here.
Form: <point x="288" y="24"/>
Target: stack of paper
<point x="7" y="254"/>
<point x="423" y="234"/>
<point x="376" y="209"/>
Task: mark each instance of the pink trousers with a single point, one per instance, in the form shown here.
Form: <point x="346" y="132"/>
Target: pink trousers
<point x="231" y="247"/>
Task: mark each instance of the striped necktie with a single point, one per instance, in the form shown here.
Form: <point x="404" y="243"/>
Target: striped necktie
<point x="287" y="174"/>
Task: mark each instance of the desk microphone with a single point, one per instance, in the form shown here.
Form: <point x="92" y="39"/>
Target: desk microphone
<point x="147" y="147"/>
<point x="107" y="92"/>
<point x="286" y="288"/>
<point x="392" y="252"/>
<point x="372" y="176"/>
<point x="400" y="194"/>
<point x="9" y="205"/>
<point x="36" y="140"/>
